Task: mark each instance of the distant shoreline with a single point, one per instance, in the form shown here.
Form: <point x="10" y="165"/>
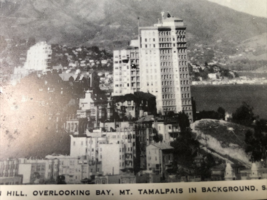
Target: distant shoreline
<point x="251" y="71"/>
<point x="237" y="82"/>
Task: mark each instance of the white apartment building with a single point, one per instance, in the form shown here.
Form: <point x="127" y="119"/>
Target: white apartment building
<point x="38" y="57"/>
<point x="47" y="169"/>
<point x="126" y="78"/>
<point x="116" y="150"/>
<point x="163" y="71"/>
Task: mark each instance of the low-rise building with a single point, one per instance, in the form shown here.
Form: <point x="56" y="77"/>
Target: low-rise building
<point x="114" y="150"/>
<point x="37" y="171"/>
<point x="159" y="158"/>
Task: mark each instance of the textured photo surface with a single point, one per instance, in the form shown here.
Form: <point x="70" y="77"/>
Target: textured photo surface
<point x="137" y="91"/>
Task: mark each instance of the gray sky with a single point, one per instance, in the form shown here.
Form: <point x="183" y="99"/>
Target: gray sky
<point x="253" y="7"/>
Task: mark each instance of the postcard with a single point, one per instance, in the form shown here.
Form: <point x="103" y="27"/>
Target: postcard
<point x="137" y="99"/>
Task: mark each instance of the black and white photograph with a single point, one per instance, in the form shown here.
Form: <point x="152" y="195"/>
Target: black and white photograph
<point x="133" y="91"/>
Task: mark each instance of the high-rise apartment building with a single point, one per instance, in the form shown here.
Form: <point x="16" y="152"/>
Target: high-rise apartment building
<point x="163" y="68"/>
<point x="38" y="57"/>
<point x="126" y="78"/>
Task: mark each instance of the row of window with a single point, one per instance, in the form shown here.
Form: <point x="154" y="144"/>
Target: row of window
<point x="166" y="70"/>
<point x="187" y="95"/>
<point x="166" y="109"/>
<point x="186" y="102"/>
<point x="151" y="84"/>
<point x="185" y="88"/>
<point x="167" y="64"/>
<point x="183" y="69"/>
<point x="166" y="51"/>
<point x="10" y="166"/>
<point x="181" y="39"/>
<point x="149" y="40"/>
<point x="135" y="61"/>
<point x="169" y="89"/>
<point x="148" y="52"/>
<point x="187" y="108"/>
<point x="182" y="56"/>
<point x="150" y="63"/>
<point x="135" y="78"/>
<point x="168" y="103"/>
<point x="184" y="82"/>
<point x="166" y="39"/>
<point x="169" y="57"/>
<point x="181" y="50"/>
<point x="182" y="63"/>
<point x="179" y="45"/>
<point x="177" y="32"/>
<point x="149" y="158"/>
<point x="167" y="83"/>
<point x="149" y="46"/>
<point x="184" y="75"/>
<point x="168" y="96"/>
<point x="164" y="33"/>
<point x="10" y="174"/>
<point x="137" y="85"/>
<point x="168" y="45"/>
<point x="134" y="55"/>
<point x="167" y="76"/>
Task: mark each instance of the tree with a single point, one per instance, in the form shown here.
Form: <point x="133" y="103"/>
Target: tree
<point x="183" y="121"/>
<point x="206" y="165"/>
<point x="61" y="179"/>
<point x="257" y="142"/>
<point x="157" y="136"/>
<point x="185" y="146"/>
<point x="221" y="111"/>
<point x="244" y="115"/>
<point x="185" y="149"/>
<point x="31" y="42"/>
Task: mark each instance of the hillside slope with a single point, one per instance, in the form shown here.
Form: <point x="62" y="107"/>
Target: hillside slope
<point x="114" y="22"/>
<point x="223" y="139"/>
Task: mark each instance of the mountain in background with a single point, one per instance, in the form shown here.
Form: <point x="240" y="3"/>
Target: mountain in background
<point x="112" y="23"/>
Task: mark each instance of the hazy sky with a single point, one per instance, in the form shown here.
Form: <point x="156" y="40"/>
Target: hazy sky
<point x="253" y="7"/>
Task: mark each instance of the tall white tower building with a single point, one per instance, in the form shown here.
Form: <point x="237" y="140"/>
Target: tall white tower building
<point x="38" y="57"/>
<point x="163" y="67"/>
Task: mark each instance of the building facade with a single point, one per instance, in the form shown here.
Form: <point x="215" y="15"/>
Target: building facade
<point x="163" y="71"/>
<point x="159" y="158"/>
<point x="38" y="57"/>
<point x="126" y="76"/>
<point x="113" y="151"/>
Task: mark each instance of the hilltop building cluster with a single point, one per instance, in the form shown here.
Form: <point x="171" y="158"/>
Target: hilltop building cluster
<point x="66" y="61"/>
<point x="150" y="77"/>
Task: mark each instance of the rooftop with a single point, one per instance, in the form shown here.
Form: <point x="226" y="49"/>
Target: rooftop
<point x="148" y="118"/>
<point x="162" y="146"/>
